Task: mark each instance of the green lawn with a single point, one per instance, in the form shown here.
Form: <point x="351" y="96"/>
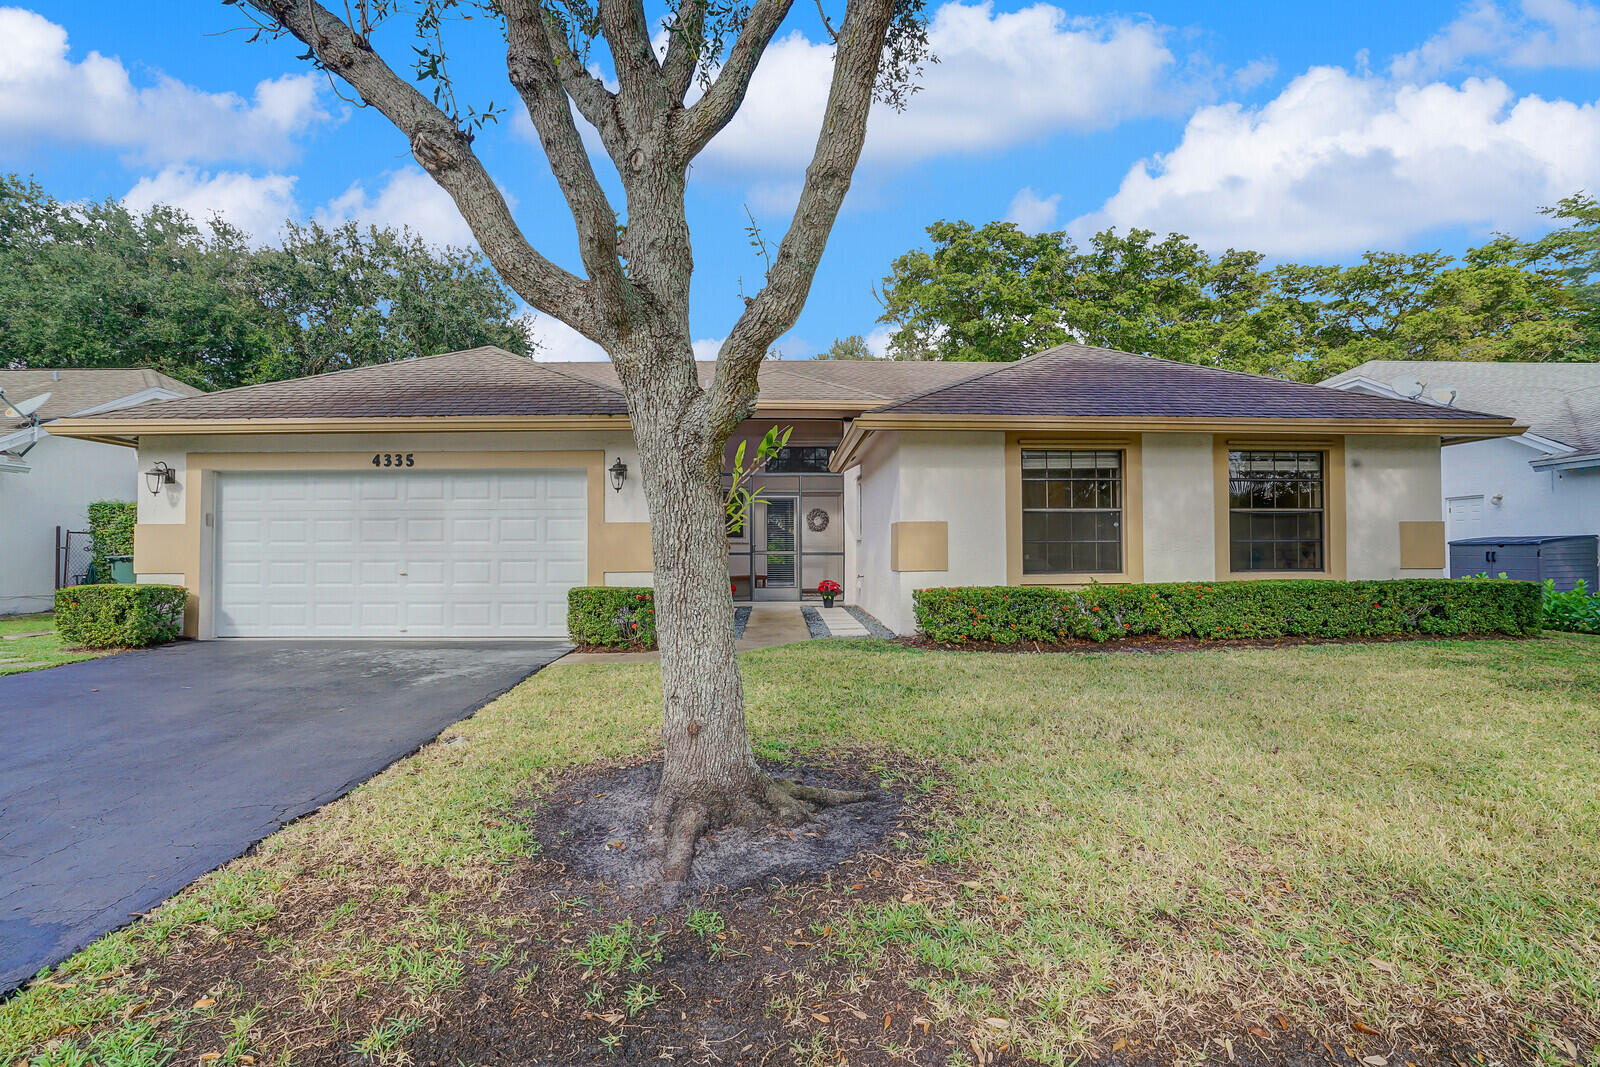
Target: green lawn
<point x="1386" y="847"/>
<point x="31" y="653"/>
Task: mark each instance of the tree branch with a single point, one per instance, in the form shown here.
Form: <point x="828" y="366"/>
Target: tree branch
<point x="532" y="66"/>
<point x="844" y="130"/>
<point x="596" y="103"/>
<point x="643" y="90"/>
<point x="713" y="111"/>
<point x="445" y="152"/>
<point x="687" y="39"/>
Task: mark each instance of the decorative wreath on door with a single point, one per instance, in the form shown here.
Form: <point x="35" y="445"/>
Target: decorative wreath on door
<point x="816" y="520"/>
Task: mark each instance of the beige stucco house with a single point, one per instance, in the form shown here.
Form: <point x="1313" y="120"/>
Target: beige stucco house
<point x="461" y="495"/>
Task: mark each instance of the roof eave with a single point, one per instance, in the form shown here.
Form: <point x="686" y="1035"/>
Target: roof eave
<point x="1574" y="461"/>
<point x="128" y="431"/>
<point x="1449" y="430"/>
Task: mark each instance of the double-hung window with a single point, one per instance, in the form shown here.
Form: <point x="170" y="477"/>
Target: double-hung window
<point x="1276" y="511"/>
<point x="1072" y="511"/>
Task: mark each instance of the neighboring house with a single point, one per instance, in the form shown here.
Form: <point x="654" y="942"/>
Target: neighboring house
<point x="48" y="481"/>
<point x="463" y="494"/>
<point x="1541" y="483"/>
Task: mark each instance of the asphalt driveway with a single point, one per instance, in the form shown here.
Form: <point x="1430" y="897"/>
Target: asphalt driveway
<point x="124" y="779"/>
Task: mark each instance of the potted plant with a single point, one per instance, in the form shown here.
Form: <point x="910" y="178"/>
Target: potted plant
<point x="829" y="589"/>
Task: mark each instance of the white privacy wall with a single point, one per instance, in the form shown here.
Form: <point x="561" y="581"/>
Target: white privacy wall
<point x="917" y="476"/>
<point x="1388" y="480"/>
<point x="66" y="476"/>
<point x="1532" y="503"/>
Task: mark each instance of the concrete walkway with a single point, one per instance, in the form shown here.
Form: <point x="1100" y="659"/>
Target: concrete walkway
<point x="769" y="625"/>
<point x="841" y="623"/>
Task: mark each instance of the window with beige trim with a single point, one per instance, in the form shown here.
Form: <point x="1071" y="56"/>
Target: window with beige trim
<point x="1276" y="511"/>
<point x="1072" y="511"/>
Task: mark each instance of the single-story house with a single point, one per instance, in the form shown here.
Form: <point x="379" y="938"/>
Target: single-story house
<point x="463" y="494"/>
<point x="1542" y="483"/>
<point x="49" y="482"/>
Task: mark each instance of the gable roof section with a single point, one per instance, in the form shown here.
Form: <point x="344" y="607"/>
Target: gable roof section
<point x="1558" y="401"/>
<point x="1078" y="381"/>
<point x="849" y="384"/>
<point x="478" y="381"/>
<point x="490" y="383"/>
<point x="76" y="389"/>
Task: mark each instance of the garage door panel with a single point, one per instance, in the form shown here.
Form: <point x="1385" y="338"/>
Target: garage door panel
<point x="399" y="553"/>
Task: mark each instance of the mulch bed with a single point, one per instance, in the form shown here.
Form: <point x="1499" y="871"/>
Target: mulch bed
<point x="1148" y="643"/>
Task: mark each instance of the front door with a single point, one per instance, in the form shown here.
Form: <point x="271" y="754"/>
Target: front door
<point x="776" y="575"/>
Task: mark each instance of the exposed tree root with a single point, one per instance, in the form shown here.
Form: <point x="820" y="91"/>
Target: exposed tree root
<point x="768" y="802"/>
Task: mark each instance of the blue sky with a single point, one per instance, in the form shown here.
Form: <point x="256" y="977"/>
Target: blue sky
<point x="1305" y="131"/>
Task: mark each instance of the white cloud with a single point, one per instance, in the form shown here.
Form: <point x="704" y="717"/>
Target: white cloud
<point x="1031" y="212"/>
<point x="408" y="199"/>
<point x="1339" y="162"/>
<point x="1542" y="33"/>
<point x="256" y="204"/>
<point x="1001" y="78"/>
<point x="1254" y="73"/>
<point x="708" y="347"/>
<point x="556" y="342"/>
<point x="46" y="96"/>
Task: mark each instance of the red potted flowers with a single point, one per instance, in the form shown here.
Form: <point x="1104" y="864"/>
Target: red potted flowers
<point x="829" y="589"/>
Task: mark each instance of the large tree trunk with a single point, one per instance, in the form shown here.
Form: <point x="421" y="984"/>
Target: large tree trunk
<point x="709" y="774"/>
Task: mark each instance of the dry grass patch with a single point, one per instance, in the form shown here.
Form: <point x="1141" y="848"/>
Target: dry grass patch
<point x="1392" y="849"/>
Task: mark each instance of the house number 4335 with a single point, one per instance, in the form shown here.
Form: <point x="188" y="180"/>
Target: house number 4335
<point x="394" y="459"/>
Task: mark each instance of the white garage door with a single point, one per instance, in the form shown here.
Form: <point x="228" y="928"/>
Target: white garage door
<point x="398" y="553"/>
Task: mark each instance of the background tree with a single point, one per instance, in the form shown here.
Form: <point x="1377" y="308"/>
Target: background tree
<point x="632" y="296"/>
<point x="995" y="293"/>
<point x="852" y="347"/>
<point x="97" y="285"/>
<point x="348" y="297"/>
<point x="94" y="285"/>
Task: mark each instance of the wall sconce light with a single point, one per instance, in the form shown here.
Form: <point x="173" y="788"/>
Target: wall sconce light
<point x="1497" y="499"/>
<point x="160" y="475"/>
<point x="619" y="474"/>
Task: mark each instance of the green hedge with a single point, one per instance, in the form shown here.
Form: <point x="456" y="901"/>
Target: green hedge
<point x="1229" y="610"/>
<point x="111" y="525"/>
<point x="119" y="616"/>
<point x="1577" y="609"/>
<point x="612" y="616"/>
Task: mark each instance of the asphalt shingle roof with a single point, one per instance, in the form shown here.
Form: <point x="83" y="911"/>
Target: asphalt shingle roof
<point x="1560" y="401"/>
<point x="1078" y="381"/>
<point x="75" y="389"/>
<point x="478" y="381"/>
<point x="492" y="381"/>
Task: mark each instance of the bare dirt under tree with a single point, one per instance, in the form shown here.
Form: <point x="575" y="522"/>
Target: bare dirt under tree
<point x="598" y="827"/>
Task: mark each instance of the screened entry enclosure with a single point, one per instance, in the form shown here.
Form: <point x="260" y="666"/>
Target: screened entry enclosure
<point x="793" y="536"/>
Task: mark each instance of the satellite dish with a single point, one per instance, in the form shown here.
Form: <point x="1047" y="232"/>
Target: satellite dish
<point x="1445" y="395"/>
<point x="1409" y="388"/>
<point x="23" y="408"/>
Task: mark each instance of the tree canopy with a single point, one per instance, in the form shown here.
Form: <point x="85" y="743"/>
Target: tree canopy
<point x="996" y="293"/>
<point x="99" y="285"/>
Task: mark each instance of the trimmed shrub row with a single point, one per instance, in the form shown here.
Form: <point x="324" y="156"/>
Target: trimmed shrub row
<point x="612" y="616"/>
<point x="111" y="525"/>
<point x="119" y="616"/>
<point x="1228" y="610"/>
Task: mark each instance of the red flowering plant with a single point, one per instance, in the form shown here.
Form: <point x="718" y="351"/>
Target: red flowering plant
<point x="829" y="589"/>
